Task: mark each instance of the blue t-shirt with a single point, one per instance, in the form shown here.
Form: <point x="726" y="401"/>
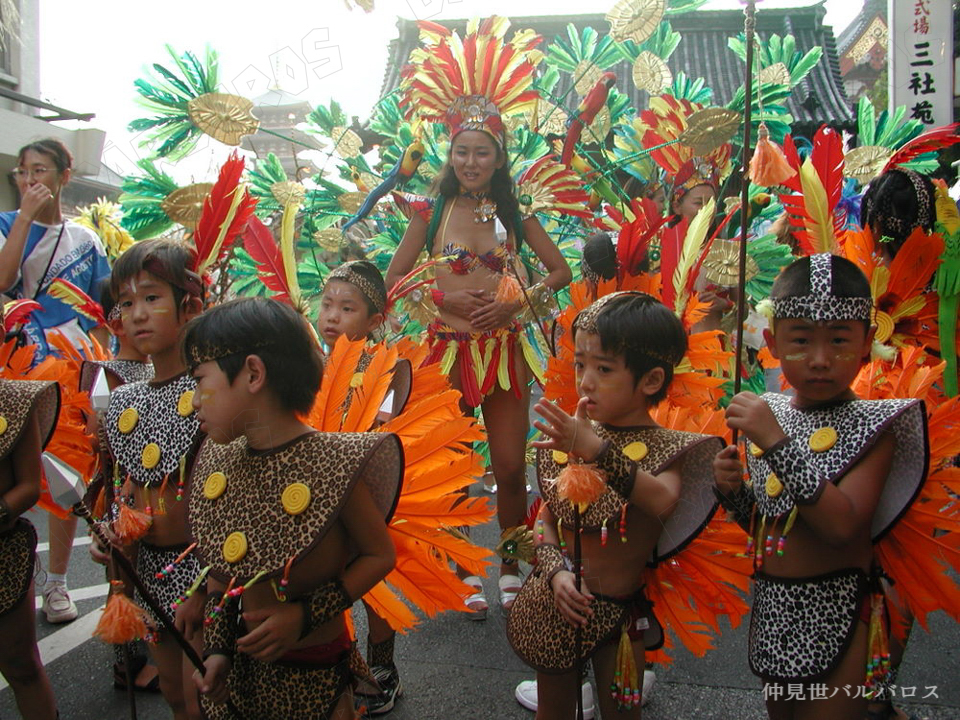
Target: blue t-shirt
<point x="77" y="256"/>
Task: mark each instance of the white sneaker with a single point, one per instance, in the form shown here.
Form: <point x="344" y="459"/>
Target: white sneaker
<point x="526" y="695"/>
<point x="649" y="678"/>
<point x="57" y="605"/>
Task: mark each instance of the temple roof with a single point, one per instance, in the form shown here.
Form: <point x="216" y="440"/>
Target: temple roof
<point x="703" y="52"/>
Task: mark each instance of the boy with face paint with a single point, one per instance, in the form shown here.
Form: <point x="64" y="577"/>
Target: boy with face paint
<point x="830" y="475"/>
<point x="353" y="302"/>
<point x="149" y="438"/>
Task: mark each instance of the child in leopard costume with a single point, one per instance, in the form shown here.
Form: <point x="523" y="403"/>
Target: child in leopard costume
<point x="829" y="475"/>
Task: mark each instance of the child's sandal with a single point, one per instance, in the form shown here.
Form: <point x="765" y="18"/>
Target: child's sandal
<point x="476" y="603"/>
<point x="509" y="587"/>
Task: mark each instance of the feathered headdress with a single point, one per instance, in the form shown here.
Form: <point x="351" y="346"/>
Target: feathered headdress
<point x="471" y="84"/>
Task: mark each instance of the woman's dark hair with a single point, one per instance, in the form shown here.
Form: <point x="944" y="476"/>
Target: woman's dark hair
<point x="645" y="332"/>
<point x="272" y="331"/>
<point x="502" y="190"/>
<point x="52" y="148"/>
<point x="896" y="203"/>
<point x="167" y="259"/>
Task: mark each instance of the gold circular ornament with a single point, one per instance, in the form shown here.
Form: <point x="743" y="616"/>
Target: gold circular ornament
<point x="295" y="498"/>
<point x="823" y="439"/>
<point x="709" y="128"/>
<point x="150" y="456"/>
<point x="3" y="424"/>
<point x="235" y="547"/>
<point x="884" y="325"/>
<point x="546" y="118"/>
<point x="597" y="131"/>
<point x="650" y="73"/>
<point x="773" y="486"/>
<point x="185" y="204"/>
<point x="222" y="116"/>
<point x="756" y="450"/>
<point x="635" y="19"/>
<point x="215" y="485"/>
<point x="560" y="457"/>
<point x="586" y="74"/>
<point x="348" y="143"/>
<point x="350" y="202"/>
<point x="128" y="420"/>
<point x="185" y="403"/>
<point x="329" y="239"/>
<point x="776" y="74"/>
<point x="288" y="192"/>
<point x="722" y="264"/>
<point x="356" y="380"/>
<point x="636" y="451"/>
<point x="864" y="163"/>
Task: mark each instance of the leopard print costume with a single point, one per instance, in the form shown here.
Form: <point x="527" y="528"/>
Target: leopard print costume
<point x="254" y="495"/>
<point x="18" y="559"/>
<point x="126" y="371"/>
<point x="536" y="630"/>
<point x="152" y="559"/>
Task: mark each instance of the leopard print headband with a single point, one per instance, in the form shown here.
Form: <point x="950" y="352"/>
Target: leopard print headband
<point x="346" y="273"/>
<point x="586" y="321"/>
<point x="199" y="354"/>
<point x="821" y="305"/>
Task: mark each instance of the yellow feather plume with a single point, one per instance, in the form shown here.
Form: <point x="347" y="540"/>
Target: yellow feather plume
<point x="692" y="247"/>
<point x="818" y="222"/>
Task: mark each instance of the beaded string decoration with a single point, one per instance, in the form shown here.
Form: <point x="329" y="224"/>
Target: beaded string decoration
<point x="625" y="687"/>
<point x="233" y="591"/>
<point x="161" y="502"/>
<point x="191" y="590"/>
<point x="169" y="568"/>
<point x="281" y="591"/>
<point x="183" y="477"/>
<point x="878" y="650"/>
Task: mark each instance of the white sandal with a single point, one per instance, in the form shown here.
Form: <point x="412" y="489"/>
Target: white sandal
<point x="476" y="603"/>
<point x="509" y="588"/>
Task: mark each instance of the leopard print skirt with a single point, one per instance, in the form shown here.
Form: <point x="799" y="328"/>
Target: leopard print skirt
<point x="18" y="559"/>
<point x="283" y="690"/>
<point x="800" y="628"/>
<point x="544" y="640"/>
<point x="152" y="560"/>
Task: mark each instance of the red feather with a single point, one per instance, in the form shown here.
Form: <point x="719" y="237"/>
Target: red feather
<point x="17" y="312"/>
<point x="265" y="251"/>
<point x="930" y="141"/>
<point x="222" y="220"/>
<point x="635" y="236"/>
<point x="793" y="158"/>
<point x="827" y="158"/>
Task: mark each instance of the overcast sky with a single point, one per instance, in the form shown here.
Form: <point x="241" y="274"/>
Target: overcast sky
<point x="87" y="66"/>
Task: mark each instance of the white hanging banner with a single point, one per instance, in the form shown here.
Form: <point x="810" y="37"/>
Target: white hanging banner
<point x="921" y="59"/>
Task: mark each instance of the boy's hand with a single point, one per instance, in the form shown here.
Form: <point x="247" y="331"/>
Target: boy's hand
<point x="573" y="605"/>
<point x="749" y="414"/>
<point x="98" y="553"/>
<point x="213" y="682"/>
<point x="279" y="630"/>
<point x="573" y="435"/>
<point x="188" y="617"/>
<point x="728" y="470"/>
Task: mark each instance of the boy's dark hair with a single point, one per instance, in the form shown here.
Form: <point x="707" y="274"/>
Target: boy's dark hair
<point x="105" y="296"/>
<point x="371" y="276"/>
<point x="641" y="329"/>
<point x="269" y="329"/>
<point x="848" y="280"/>
<point x="168" y="260"/>
<point x="896" y="203"/>
<point x="52" y="148"/>
<point x="599" y="259"/>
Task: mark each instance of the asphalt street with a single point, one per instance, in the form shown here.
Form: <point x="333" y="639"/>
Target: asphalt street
<point x="454" y="668"/>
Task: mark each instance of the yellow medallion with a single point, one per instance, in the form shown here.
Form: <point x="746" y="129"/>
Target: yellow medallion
<point x="756" y="450"/>
<point x="357" y="380"/>
<point x="295" y="498"/>
<point x="773" y="486"/>
<point x="150" y="456"/>
<point x="128" y="420"/>
<point x="636" y="451"/>
<point x="3" y="424"/>
<point x="560" y="457"/>
<point x="215" y="485"/>
<point x="185" y="404"/>
<point x="823" y="439"/>
<point x="235" y="547"/>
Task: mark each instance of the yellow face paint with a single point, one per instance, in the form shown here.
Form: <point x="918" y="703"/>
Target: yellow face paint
<point x="160" y="310"/>
<point x="795" y="357"/>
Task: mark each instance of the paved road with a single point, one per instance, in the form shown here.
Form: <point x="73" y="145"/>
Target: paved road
<point x="454" y="668"/>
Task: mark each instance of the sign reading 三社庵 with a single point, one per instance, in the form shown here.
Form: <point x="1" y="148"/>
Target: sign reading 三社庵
<point x="921" y="59"/>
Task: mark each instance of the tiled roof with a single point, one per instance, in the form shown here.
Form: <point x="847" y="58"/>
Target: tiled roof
<point x="702" y="52"/>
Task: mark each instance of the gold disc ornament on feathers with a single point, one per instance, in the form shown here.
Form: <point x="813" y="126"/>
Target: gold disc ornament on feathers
<point x="347" y="143"/>
<point x="224" y="117"/>
<point x="650" y="73"/>
<point x="287" y="192"/>
<point x="185" y="204"/>
<point x="709" y="128"/>
<point x="350" y="202"/>
<point x="597" y="131"/>
<point x="722" y="264"/>
<point x="776" y="74"/>
<point x="864" y="163"/>
<point x="544" y="117"/>
<point x="635" y="19"/>
<point x="329" y="239"/>
<point x="586" y="74"/>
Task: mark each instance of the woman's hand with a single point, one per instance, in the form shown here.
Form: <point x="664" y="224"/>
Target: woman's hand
<point x="466" y="302"/>
<point x="573" y="604"/>
<point x="34" y="199"/>
<point x="495" y="314"/>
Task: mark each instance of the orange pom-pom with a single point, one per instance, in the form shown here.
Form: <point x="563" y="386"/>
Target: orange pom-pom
<point x="100" y="504"/>
<point x="508" y="290"/>
<point x="122" y="620"/>
<point x="580" y="484"/>
<point x="131" y="524"/>
<point x="769" y="166"/>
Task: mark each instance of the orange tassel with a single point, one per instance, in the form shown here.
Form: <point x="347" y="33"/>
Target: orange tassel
<point x="100" y="504"/>
<point x="768" y="166"/>
<point x="132" y="524"/>
<point x="580" y="484"/>
<point x="122" y="620"/>
<point x="508" y="289"/>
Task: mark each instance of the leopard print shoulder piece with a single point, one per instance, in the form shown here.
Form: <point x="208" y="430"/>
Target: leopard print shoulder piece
<point x="252" y="511"/>
<point x="18" y="398"/>
<point x="657" y="449"/>
<point x="834" y="438"/>
<point x="128" y="371"/>
<point x="150" y="427"/>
